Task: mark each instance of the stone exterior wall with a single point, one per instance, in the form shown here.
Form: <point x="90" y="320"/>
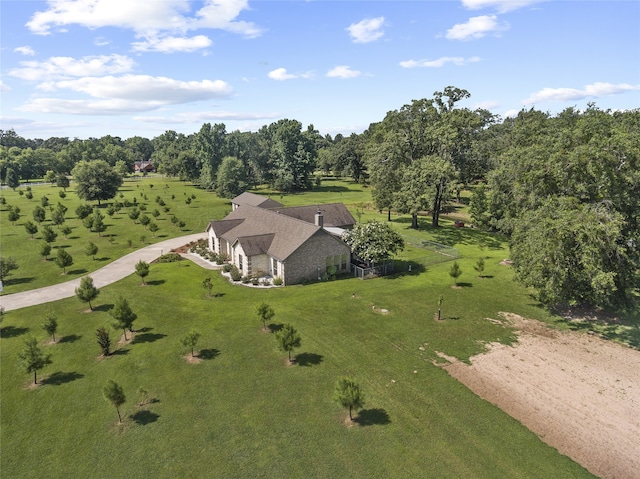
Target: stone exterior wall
<point x="310" y="260"/>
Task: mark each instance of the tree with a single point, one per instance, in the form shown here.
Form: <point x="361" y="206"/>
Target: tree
<point x="14" y="215"/>
<point x="123" y="316"/>
<point x="142" y="270"/>
<point x="63" y="260"/>
<point x="32" y="359"/>
<point x="57" y="217"/>
<point x="11" y="179"/>
<point x="348" y="394"/>
<point x="97" y="225"/>
<point x="232" y="178"/>
<point x="208" y="285"/>
<point x="62" y="182"/>
<point x="31" y="228"/>
<point x="50" y="325"/>
<point x="288" y="339"/>
<point x="83" y="211"/>
<point x="134" y="214"/>
<point x="39" y="214"/>
<point x="153" y="227"/>
<point x="48" y="234"/>
<point x="86" y="291"/>
<point x="7" y="264"/>
<point x="45" y="250"/>
<point x="265" y="313"/>
<point x="479" y="206"/>
<point x="65" y="230"/>
<point x="96" y="180"/>
<point x="91" y="250"/>
<point x="104" y="341"/>
<point x="455" y="272"/>
<point x="145" y="220"/>
<point x="373" y="241"/>
<point x="114" y="393"/>
<point x="190" y="340"/>
<point x="440" y="301"/>
<point x="479" y="266"/>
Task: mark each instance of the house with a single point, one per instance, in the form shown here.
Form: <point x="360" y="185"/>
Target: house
<point x="143" y="167"/>
<point x="252" y="199"/>
<point x="288" y="243"/>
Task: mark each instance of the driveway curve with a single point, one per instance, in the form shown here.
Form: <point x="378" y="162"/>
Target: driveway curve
<point x="119" y="269"/>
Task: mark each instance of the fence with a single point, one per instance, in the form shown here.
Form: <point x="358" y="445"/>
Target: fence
<point x="388" y="267"/>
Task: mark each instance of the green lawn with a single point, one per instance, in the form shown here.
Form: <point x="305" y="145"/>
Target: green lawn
<point x="243" y="412"/>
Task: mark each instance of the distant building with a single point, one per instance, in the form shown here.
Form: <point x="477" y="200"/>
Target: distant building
<point x="144" y="167"/>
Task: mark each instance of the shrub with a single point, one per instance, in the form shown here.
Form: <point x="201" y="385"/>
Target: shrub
<point x="246" y="279"/>
<point x="236" y="275"/>
<point x="227" y="268"/>
<point x="265" y="282"/>
<point x="222" y="258"/>
<point x="169" y="258"/>
<point x="277" y="281"/>
<point x="255" y="281"/>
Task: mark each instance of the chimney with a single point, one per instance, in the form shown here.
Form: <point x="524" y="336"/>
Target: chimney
<point x="319" y="219"/>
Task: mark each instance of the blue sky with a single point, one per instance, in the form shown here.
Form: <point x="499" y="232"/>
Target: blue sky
<point x="89" y="68"/>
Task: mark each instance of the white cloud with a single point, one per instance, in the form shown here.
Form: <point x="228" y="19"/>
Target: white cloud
<point x="594" y="90"/>
<point x="4" y="87"/>
<point x="25" y="50"/>
<point x="501" y="6"/>
<point x="101" y="41"/>
<point x="281" y="74"/>
<point x="343" y="71"/>
<point x="146" y="18"/>
<point x="487" y="105"/>
<point x="204" y="116"/>
<point x="66" y="67"/>
<point x="511" y="113"/>
<point x="172" y="44"/>
<point x="438" y="63"/>
<point x="127" y="93"/>
<point x="476" y="27"/>
<point x="367" y="30"/>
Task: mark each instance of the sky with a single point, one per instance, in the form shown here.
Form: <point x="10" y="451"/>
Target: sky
<point x="90" y="68"/>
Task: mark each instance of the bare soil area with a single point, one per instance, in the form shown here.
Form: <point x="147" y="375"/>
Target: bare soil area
<point x="577" y="392"/>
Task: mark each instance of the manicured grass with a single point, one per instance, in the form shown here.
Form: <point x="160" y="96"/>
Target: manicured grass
<point x="244" y="412"/>
<point x="35" y="272"/>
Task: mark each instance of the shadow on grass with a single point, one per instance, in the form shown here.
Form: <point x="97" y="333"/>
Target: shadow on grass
<point x="106" y="258"/>
<point x="464" y="285"/>
<point x="119" y="352"/>
<point x="145" y="417"/>
<point x="78" y="271"/>
<point x="373" y="417"/>
<point x="12" y="281"/>
<point x="208" y="354"/>
<point x="58" y="378"/>
<point x="147" y="338"/>
<point x="70" y="338"/>
<point x="156" y="282"/>
<point x="308" y="359"/>
<point x="12" y="331"/>
<point x="275" y="327"/>
<point x="103" y="307"/>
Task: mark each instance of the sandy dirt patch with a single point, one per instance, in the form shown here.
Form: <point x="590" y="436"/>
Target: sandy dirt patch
<point x="577" y="392"/>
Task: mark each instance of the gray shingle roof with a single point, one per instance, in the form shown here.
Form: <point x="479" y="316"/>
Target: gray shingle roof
<point x="252" y="199"/>
<point x="334" y="214"/>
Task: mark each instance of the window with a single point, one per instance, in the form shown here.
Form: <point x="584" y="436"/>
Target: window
<point x="344" y="261"/>
<point x="240" y="262"/>
<point x="329" y="261"/>
<point x="275" y="266"/>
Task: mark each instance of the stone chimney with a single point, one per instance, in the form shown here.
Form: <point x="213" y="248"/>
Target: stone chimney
<point x="319" y="219"/>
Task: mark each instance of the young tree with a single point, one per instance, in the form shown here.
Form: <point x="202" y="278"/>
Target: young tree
<point x="265" y="313"/>
<point x="50" y="325"/>
<point x="142" y="270"/>
<point x="104" y="341"/>
<point x="31" y="228"/>
<point x="455" y="272"/>
<point x="63" y="260"/>
<point x="32" y="359"/>
<point x="208" y="285"/>
<point x="87" y="292"/>
<point x="62" y="182"/>
<point x="45" y="250"/>
<point x="48" y="234"/>
<point x="145" y="220"/>
<point x="153" y="227"/>
<point x="14" y="215"/>
<point x="114" y="393"/>
<point x="288" y="339"/>
<point x="123" y="316"/>
<point x="479" y="267"/>
<point x="348" y="394"/>
<point x="83" y="211"/>
<point x="134" y="214"/>
<point x="190" y="340"/>
<point x="28" y="195"/>
<point x="57" y="217"/>
<point x="91" y="250"/>
<point x="65" y="230"/>
<point x="96" y="180"/>
<point x="440" y="301"/>
<point x="6" y="266"/>
<point x="98" y="225"/>
<point x="39" y="214"/>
